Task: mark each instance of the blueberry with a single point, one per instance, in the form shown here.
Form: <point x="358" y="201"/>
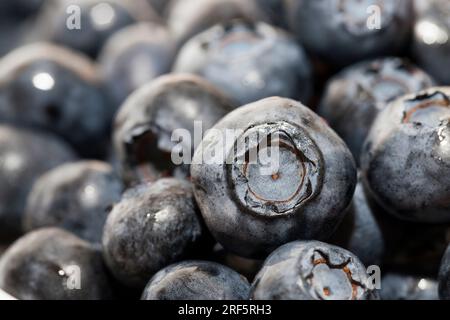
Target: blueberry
<point x="345" y="31"/>
<point x="52" y="264"/>
<point x="312" y="270"/>
<point x="146" y="121"/>
<point x="254" y="201"/>
<point x="431" y="45"/>
<point x="85" y="25"/>
<point x="188" y="18"/>
<point x="444" y="276"/>
<point x="406" y="157"/>
<point x="134" y="56"/>
<point x="153" y="226"/>
<point x="75" y="196"/>
<point x="248" y="61"/>
<point x="406" y="287"/>
<point x="197" y="280"/>
<point x="355" y="96"/>
<point x="24" y="156"/>
<point x="52" y="88"/>
<point x="360" y="231"/>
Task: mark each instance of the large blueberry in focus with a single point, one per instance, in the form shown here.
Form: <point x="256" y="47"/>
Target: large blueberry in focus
<point x="406" y="157"/>
<point x="188" y="18"/>
<point x="249" y="61"/>
<point x="146" y="122"/>
<point x="24" y="156"/>
<point x="134" y="56"/>
<point x="355" y="96"/>
<point x="312" y="270"/>
<point x="431" y="42"/>
<point x="76" y="196"/>
<point x="52" y="264"/>
<point x="53" y="88"/>
<point x="85" y="25"/>
<point x="197" y="280"/>
<point x="269" y="173"/>
<point x="345" y="31"/>
<point x="153" y="226"/>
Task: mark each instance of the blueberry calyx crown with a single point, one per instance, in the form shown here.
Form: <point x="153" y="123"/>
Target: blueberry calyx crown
<point x="331" y="278"/>
<point x="275" y="169"/>
<point x="427" y="109"/>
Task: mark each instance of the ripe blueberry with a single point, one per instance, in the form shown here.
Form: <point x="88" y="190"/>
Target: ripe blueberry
<point x="345" y="31"/>
<point x="53" y="88"/>
<point x="197" y="280"/>
<point x="248" y="61"/>
<point x="254" y="201"/>
<point x="312" y="270"/>
<point x="134" y="56"/>
<point x="24" y="156"/>
<point x="76" y="196"/>
<point x="406" y="157"/>
<point x="355" y="96"/>
<point x="52" y="264"/>
<point x="151" y="227"/>
<point x="148" y="118"/>
<point x="85" y="25"/>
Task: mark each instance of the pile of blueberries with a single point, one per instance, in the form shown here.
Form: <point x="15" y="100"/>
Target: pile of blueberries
<point x="93" y="205"/>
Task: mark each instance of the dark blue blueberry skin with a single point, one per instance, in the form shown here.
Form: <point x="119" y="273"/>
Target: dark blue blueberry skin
<point x="16" y="16"/>
<point x="248" y="61"/>
<point x="134" y="56"/>
<point x="354" y="97"/>
<point x="275" y="10"/>
<point x="145" y="123"/>
<point x="187" y="18"/>
<point x="52" y="88"/>
<point x="24" y="156"/>
<point x="19" y="9"/>
<point x="431" y="42"/>
<point x="76" y="196"/>
<point x="99" y="19"/>
<point x="338" y="31"/>
<point x="406" y="157"/>
<point x="312" y="270"/>
<point x="197" y="280"/>
<point x="153" y="226"/>
<point x="360" y="231"/>
<point x="45" y="264"/>
<point x="303" y="195"/>
<point x="378" y="238"/>
<point x="406" y="287"/>
<point x="444" y="276"/>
